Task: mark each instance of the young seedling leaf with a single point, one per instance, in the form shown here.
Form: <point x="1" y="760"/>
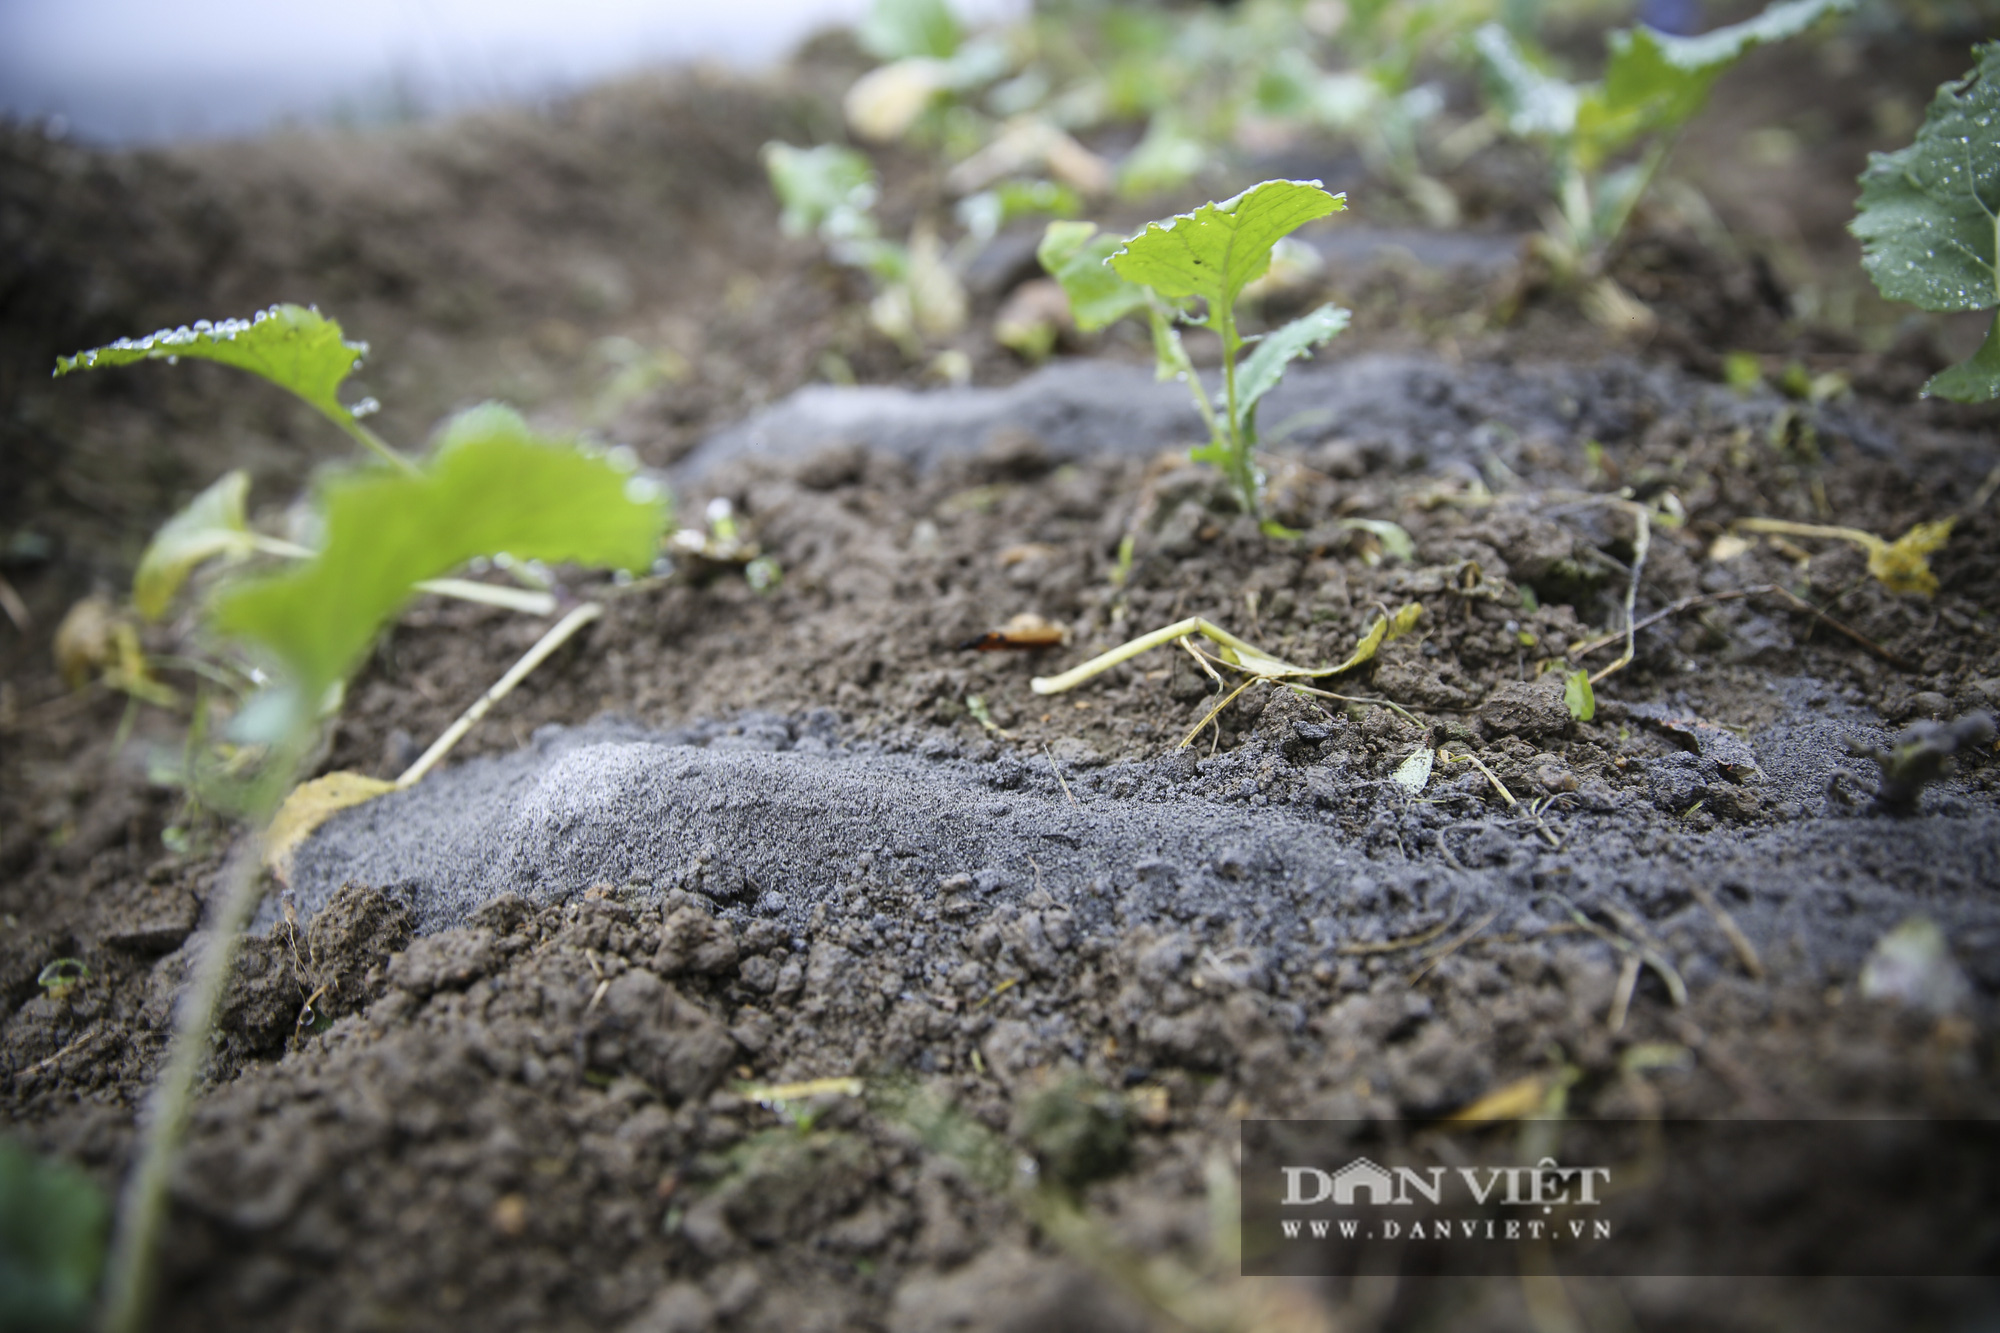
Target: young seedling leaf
<point x="1579" y="696"/>
<point x="1074" y="255"/>
<point x="1929" y="219"/>
<point x="1414" y="772"/>
<point x="1219" y="249"/>
<point x="491" y="486"/>
<point x="900" y="29"/>
<point x="826" y="189"/>
<point x="1265" y="366"/>
<point x="213" y="524"/>
<point x="1655" y="80"/>
<point x="294" y="347"/>
<point x="1536" y="105"/>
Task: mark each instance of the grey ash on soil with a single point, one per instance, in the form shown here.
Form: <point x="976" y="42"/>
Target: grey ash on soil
<point x="1279" y="850"/>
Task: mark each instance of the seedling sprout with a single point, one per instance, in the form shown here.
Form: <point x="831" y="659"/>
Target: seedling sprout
<point x="1207" y="256"/>
<point x="490" y="486"/>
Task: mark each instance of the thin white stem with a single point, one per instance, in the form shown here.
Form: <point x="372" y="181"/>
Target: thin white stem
<point x="1641" y="541"/>
<point x="130" y="1268"/>
<point x="485" y="594"/>
<point x="465" y="590"/>
<point x="548" y="643"/>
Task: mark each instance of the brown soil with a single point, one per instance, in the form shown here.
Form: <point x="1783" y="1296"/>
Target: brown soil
<point x="534" y="1119"/>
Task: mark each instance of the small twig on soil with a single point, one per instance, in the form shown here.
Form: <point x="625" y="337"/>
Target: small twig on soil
<point x="1642" y="540"/>
<point x="1415" y="941"/>
<point x="1746" y="952"/>
<point x="1449" y="854"/>
<point x="1621" y="997"/>
<point x="1676" y="987"/>
<point x="1059" y="773"/>
<point x="1505" y="795"/>
<point x="1397" y="708"/>
<point x="1737" y="594"/>
<point x="1201" y="660"/>
<point x="48" y="1061"/>
<point x="1452" y="946"/>
<point x="997" y="992"/>
<point x="548" y="643"/>
<point x="1216" y="711"/>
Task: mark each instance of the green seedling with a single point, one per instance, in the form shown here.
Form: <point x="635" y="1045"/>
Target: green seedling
<point x="929" y="68"/>
<point x="1653" y="84"/>
<point x="489" y="487"/>
<point x="1929" y="219"/>
<point x="1208" y="256"/>
<point x="830" y="191"/>
<point x="61" y="978"/>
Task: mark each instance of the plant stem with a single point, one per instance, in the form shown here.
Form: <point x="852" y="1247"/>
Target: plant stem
<point x="465" y="590"/>
<point x="130" y="1269"/>
<point x="1242" y="470"/>
<point x="485" y="594"/>
<point x="1641" y="541"/>
<point x="372" y="442"/>
<point x="558" y="635"/>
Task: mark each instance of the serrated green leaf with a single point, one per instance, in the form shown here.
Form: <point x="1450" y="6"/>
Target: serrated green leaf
<point x="295" y="347"/>
<point x="1265" y="366"/>
<point x="826" y="189"/>
<point x="1074" y="255"/>
<point x="490" y="486"/>
<point x="1974" y="380"/>
<point x="1655" y="80"/>
<point x="1927" y="213"/>
<point x="1219" y="249"/>
<point x="1579" y="696"/>
<point x="900" y="29"/>
<point x="212" y="524"/>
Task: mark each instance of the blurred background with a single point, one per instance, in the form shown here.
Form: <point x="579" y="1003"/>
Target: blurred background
<point x="129" y="71"/>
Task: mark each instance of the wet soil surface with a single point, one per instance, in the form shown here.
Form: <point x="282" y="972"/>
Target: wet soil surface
<point x="490" y="1061"/>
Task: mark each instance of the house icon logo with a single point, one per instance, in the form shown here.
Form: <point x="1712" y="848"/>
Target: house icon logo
<point x="1362" y="1175"/>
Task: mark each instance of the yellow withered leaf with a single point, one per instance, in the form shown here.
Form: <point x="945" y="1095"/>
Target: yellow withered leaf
<point x="310" y="805"/>
<point x="1516" y="1101"/>
<point x="1386" y="629"/>
<point x="1904" y="564"/>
